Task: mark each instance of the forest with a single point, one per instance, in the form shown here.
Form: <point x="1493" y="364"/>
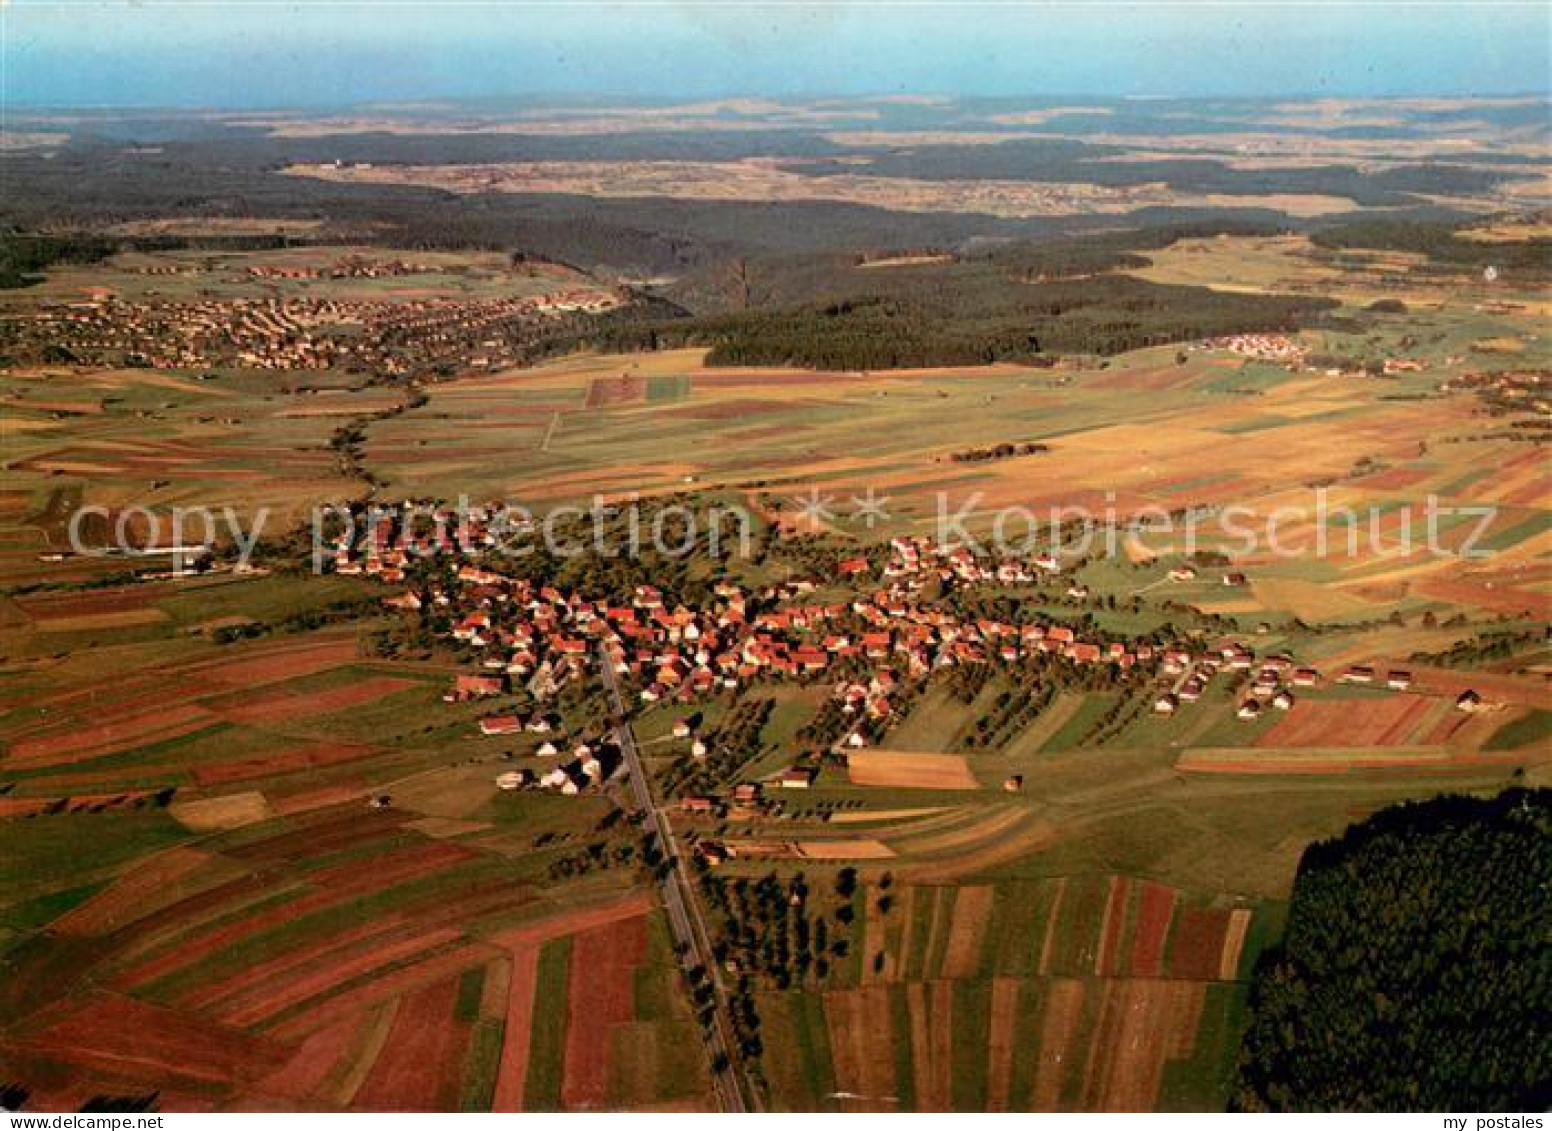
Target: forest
<point x="23" y="257"/>
<point x="1415" y="973"/>
<point x="1443" y="244"/>
<point x="1052" y="161"/>
<point x="968" y="314"/>
<point x="998" y="300"/>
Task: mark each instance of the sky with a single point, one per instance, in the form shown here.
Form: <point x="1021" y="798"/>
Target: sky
<point x="319" y="53"/>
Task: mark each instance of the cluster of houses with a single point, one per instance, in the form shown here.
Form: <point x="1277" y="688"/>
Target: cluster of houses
<point x="162" y="270"/>
<point x="870" y="644"/>
<point x="586" y="766"/>
<point x="1274" y="680"/>
<point x="1396" y="679"/>
<point x="870" y="641"/>
<point x="1192" y="672"/>
<point x="1523" y="390"/>
<point x="1262" y="347"/>
<point x="1293" y="354"/>
<point x="914" y="561"/>
<point x="348" y="267"/>
<point x="300" y="332"/>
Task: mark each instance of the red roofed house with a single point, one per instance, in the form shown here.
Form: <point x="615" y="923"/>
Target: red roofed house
<point x="477" y="686"/>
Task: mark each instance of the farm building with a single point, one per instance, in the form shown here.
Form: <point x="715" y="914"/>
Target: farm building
<point x="477" y="687"/>
<point x="795" y="777"/>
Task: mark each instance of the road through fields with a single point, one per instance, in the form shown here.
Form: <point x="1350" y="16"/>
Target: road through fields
<point x="684" y="917"/>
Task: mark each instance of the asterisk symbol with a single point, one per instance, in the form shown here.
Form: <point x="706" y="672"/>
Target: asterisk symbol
<point x="870" y="508"/>
<point x="815" y="507"/>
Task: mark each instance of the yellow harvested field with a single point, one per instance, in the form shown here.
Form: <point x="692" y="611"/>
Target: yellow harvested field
<point x="868" y="816"/>
<point x="216" y="813"/>
<point x="1229" y="608"/>
<point x="910" y="770"/>
<point x="862" y="848"/>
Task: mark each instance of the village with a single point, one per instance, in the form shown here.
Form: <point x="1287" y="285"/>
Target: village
<point x="1261" y="347"/>
<point x="346" y="267"/>
<point x="391" y="338"/>
<point x="1510" y="391"/>
<point x="872" y="647"/>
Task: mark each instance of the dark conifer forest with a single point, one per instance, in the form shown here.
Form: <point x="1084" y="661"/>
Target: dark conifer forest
<point x="1416" y="972"/>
